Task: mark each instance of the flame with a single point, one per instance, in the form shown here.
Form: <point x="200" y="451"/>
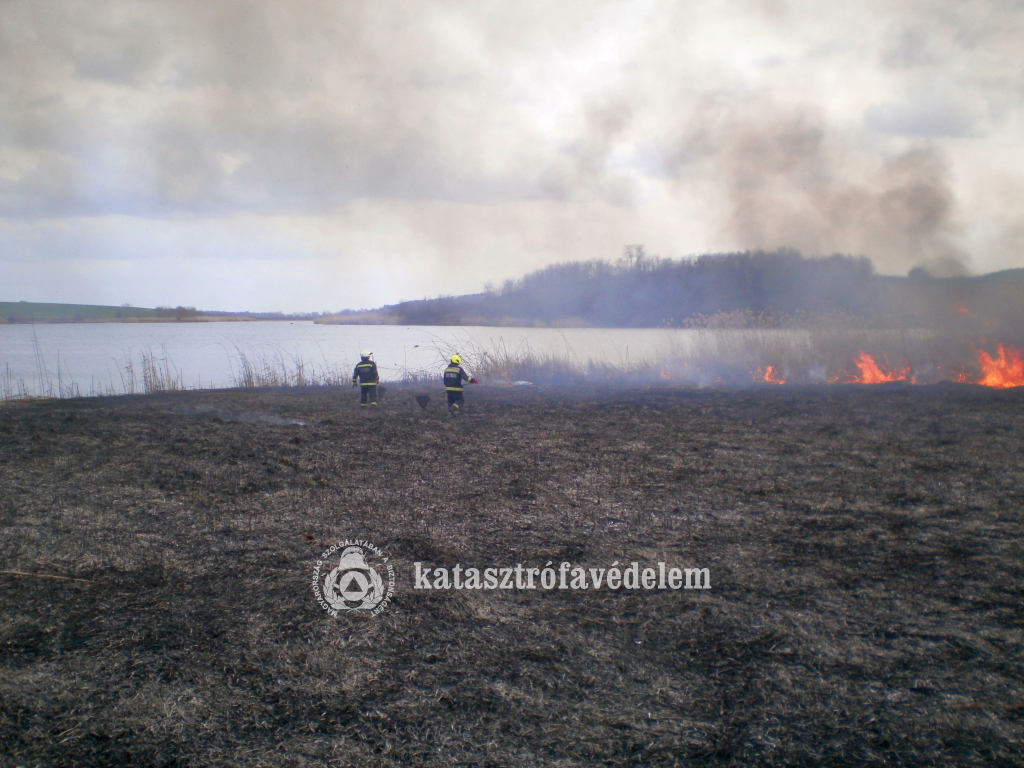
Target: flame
<point x="960" y="309"/>
<point x="872" y="373"/>
<point x="769" y="375"/>
<point x="961" y="376"/>
<point x="1002" y="372"/>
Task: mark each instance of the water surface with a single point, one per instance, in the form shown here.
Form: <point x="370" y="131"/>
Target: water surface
<point x="95" y="356"/>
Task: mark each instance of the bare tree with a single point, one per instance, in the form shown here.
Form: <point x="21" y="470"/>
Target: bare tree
<point x="634" y="256"/>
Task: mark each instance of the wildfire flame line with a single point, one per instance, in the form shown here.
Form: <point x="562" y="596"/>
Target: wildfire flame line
<point x="1003" y="371"/>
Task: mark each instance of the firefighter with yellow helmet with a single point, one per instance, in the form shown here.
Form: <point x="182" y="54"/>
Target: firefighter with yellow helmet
<point x="454" y="376"/>
<point x="366" y="376"/>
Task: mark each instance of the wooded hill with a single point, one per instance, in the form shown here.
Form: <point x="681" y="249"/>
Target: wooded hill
<point x="752" y="289"/>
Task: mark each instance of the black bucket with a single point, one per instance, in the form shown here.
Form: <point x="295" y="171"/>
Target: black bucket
<point x="423" y="400"/>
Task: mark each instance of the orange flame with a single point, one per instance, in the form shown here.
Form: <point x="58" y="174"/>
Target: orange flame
<point x="872" y="373"/>
<point x="960" y="309"/>
<point x="769" y="375"/>
<point x="961" y="376"/>
<point x="1002" y="372"/>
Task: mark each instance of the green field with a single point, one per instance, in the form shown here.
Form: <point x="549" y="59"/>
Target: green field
<point x="29" y="310"/>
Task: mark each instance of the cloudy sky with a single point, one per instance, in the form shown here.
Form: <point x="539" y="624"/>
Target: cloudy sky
<point x="321" y="155"/>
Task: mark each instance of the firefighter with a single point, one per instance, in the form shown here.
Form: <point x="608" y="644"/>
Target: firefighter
<point x="453" y="378"/>
<point x="366" y="376"/>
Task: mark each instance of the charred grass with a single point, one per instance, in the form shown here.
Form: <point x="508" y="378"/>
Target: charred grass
<point x="864" y="547"/>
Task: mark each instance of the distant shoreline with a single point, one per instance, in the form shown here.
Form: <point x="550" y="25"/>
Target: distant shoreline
<point x="31" y="312"/>
<point x="94" y="320"/>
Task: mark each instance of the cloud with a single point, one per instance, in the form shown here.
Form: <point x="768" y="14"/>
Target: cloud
<point x="687" y="126"/>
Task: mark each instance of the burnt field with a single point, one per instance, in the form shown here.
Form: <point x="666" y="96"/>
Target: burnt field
<point x="864" y="545"/>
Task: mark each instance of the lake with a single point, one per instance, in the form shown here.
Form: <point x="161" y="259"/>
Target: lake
<point x="95" y="355"/>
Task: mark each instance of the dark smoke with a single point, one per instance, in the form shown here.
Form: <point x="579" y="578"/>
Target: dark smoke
<point x="793" y="182"/>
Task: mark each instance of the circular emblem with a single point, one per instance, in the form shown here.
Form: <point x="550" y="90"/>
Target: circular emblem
<point x="354" y="584"/>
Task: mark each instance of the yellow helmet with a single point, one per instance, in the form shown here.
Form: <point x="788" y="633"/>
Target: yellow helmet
<point x="456" y="359"/>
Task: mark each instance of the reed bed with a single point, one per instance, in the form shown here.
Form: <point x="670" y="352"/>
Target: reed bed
<point x="150" y="372"/>
<point x="252" y="370"/>
<point x="147" y="372"/>
<point x="741" y="357"/>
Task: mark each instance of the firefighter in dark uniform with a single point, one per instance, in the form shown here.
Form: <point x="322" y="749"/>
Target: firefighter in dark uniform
<point x="366" y="376"/>
<point x="453" y="378"/>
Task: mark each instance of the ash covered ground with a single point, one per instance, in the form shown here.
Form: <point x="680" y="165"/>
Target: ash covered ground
<point x="864" y="545"/>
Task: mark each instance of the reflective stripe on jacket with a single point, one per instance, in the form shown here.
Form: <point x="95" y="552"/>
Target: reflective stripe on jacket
<point x="453" y="378"/>
<point x="366" y="373"/>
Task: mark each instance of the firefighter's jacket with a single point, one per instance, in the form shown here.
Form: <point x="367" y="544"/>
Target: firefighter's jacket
<point x="453" y="378"/>
<point x="366" y="373"/>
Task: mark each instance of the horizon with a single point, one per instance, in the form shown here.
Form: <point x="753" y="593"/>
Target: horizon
<point x="357" y="310"/>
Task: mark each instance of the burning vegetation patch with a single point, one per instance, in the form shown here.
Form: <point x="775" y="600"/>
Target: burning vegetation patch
<point x="773" y="356"/>
<point x="1004" y="371"/>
